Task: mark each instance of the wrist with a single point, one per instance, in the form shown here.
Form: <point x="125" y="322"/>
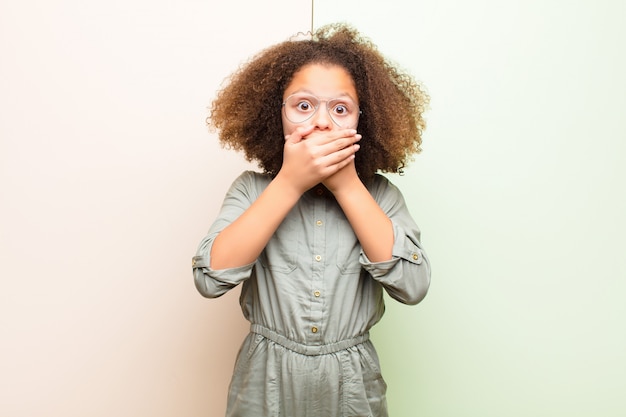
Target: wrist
<point x="289" y="189"/>
<point x="345" y="189"/>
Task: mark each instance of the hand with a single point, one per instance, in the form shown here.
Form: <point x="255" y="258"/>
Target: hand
<point x="344" y="179"/>
<point x="312" y="156"/>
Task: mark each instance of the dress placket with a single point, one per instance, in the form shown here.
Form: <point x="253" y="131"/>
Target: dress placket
<point x="316" y="290"/>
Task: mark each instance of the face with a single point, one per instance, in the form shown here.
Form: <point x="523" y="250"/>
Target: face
<point x="320" y="95"/>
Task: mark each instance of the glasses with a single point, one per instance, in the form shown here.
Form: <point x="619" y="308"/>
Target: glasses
<point x="300" y="107"/>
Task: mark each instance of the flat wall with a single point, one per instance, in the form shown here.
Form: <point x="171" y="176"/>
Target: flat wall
<point x="109" y="179"/>
<point x="519" y="193"/>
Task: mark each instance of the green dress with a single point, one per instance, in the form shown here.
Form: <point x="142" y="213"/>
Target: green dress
<point x="311" y="298"/>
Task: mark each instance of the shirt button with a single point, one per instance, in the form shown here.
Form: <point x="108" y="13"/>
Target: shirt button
<point x="415" y="256"/>
<point x="319" y="191"/>
<point x="318" y="258"/>
<point x="317" y="293"/>
<point x="314" y="329"/>
<point x="319" y="223"/>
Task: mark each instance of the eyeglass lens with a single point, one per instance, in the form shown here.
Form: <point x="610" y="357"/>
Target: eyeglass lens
<point x="301" y="107"/>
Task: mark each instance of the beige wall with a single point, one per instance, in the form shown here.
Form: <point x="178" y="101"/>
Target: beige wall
<point x="108" y="181"/>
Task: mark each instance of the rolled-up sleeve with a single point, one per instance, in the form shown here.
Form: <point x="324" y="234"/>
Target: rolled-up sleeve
<point x="213" y="283"/>
<point x="406" y="277"/>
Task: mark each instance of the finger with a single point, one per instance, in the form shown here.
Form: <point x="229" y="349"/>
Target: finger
<point x="325" y="137"/>
<point x="299" y="134"/>
<point x="340" y="144"/>
<point x="343" y="163"/>
<point x="343" y="156"/>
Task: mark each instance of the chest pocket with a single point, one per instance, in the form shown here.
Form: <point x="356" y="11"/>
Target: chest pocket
<point x="281" y="252"/>
<point x="348" y="248"/>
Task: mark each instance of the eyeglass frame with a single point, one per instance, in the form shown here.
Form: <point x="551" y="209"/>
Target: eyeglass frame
<point x="321" y="100"/>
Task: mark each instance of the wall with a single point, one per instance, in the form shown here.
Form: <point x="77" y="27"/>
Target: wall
<point x="520" y="199"/>
<point x="109" y="180"/>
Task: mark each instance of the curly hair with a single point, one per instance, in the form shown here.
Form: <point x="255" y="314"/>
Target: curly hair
<point x="246" y="112"/>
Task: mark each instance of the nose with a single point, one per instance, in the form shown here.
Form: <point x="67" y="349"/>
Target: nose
<point x="321" y="118"/>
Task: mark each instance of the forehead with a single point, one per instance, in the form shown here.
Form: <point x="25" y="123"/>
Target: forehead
<point x="322" y="80"/>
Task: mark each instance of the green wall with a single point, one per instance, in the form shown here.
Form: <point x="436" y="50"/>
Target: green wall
<point x="519" y="194"/>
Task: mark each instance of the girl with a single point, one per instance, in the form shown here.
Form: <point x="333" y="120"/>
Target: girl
<point x="318" y="235"/>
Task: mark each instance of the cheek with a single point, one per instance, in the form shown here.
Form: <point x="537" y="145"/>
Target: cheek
<point x="288" y="127"/>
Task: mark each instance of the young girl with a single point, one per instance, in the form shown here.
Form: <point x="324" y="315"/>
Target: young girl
<point x="318" y="235"/>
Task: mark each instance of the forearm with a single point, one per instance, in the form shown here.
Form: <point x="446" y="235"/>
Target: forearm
<point x="242" y="241"/>
<point x="371" y="225"/>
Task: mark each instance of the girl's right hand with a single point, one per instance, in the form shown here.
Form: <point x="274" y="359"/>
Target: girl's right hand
<point x="311" y="156"/>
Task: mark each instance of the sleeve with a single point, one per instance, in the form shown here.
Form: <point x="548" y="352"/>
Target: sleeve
<point x="213" y="283"/>
<point x="406" y="277"/>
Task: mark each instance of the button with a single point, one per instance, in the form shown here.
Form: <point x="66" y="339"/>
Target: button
<point x="415" y="256"/>
<point x="319" y="222"/>
<point x="317" y="293"/>
<point x="319" y="191"/>
<point x="193" y="262"/>
<point x="318" y="258"/>
<point x="314" y="329"/>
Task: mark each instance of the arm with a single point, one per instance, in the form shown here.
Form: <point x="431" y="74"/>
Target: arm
<point x="242" y="241"/>
<point x="390" y="239"/>
<point x="371" y="225"/>
<point x="406" y="277"/>
<point x="305" y="163"/>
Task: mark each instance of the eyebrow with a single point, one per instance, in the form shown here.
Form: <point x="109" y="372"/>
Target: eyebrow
<point x="341" y="95"/>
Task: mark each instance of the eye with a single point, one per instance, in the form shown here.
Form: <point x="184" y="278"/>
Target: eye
<point x="341" y="109"/>
<point x="304" y="106"/>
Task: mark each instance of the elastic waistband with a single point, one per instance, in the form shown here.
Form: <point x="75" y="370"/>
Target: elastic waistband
<point x="309" y="350"/>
